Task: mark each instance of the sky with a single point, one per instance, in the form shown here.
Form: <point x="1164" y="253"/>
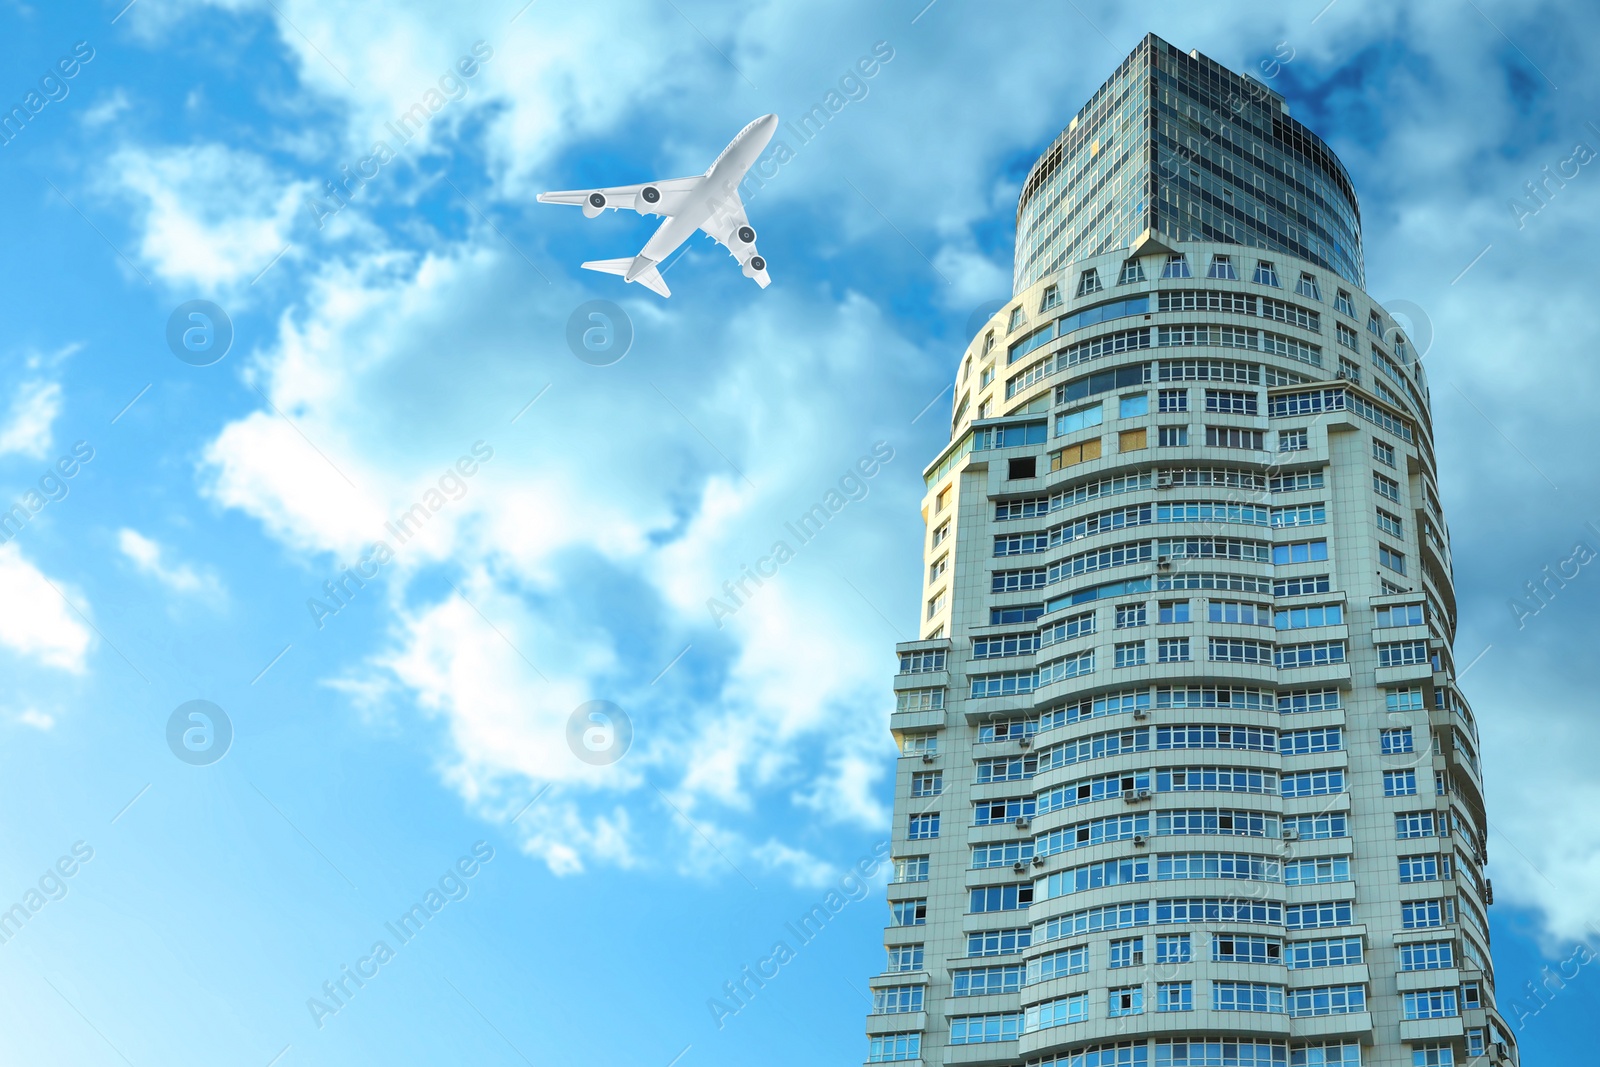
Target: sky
<point x="528" y="716"/>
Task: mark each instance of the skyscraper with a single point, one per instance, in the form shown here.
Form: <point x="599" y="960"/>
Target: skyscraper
<point x="1186" y="776"/>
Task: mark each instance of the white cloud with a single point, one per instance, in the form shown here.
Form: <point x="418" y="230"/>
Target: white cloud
<point x="788" y="700"/>
<point x="107" y="109"/>
<point x="26" y="430"/>
<point x="210" y="216"/>
<point x="38" y="624"/>
<point x="147" y="556"/>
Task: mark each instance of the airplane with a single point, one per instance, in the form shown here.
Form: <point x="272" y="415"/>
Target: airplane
<point x="708" y="202"/>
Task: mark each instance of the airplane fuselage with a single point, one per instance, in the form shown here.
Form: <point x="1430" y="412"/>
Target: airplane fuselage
<point x="724" y="177"/>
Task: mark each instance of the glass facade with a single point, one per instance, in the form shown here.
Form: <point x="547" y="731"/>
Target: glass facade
<point x="1187" y="778"/>
<point x="1175" y="147"/>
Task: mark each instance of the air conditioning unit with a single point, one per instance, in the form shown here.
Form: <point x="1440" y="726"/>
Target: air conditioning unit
<point x="1163" y="481"/>
<point x="1291" y="833"/>
<point x="1488" y="891"/>
<point x="1019" y="867"/>
<point x="927" y="757"/>
<point x="1024" y="741"/>
<point x="1023" y="822"/>
<point x="1141" y="713"/>
<point x="1343" y="375"/>
<point x="1163" y="563"/>
<point x="1498" y="1053"/>
<point x="1038" y="861"/>
<point x="1140" y="840"/>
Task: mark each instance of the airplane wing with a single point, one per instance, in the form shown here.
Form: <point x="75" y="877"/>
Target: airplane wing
<point x="728" y="226"/>
<point x="648" y="198"/>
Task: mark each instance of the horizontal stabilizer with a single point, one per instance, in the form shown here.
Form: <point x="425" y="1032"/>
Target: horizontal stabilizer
<point x="649" y="276"/>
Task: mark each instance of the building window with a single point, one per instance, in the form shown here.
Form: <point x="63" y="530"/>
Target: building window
<point x="897" y="1000"/>
<point x="919" y="700"/>
<point x="1128" y="1000"/>
<point x="1133" y="406"/>
<point x="911" y="869"/>
<point x="1246" y="996"/>
<point x="1300" y="552"/>
<point x="1307" y="286"/>
<point x="1396" y="742"/>
<point x="1422" y="914"/>
<point x="923" y="827"/>
<point x="1386" y="487"/>
<point x="1430" y="1004"/>
<point x="937" y="568"/>
<point x="981" y="1029"/>
<point x="892" y="1048"/>
<point x="1349" y="339"/>
<point x="1305" y="618"/>
<point x="1130" y="615"/>
<point x="1427" y="956"/>
<point x="1177" y="266"/>
<point x="940" y="533"/>
<point x="1022" y="467"/>
<point x="1395" y="561"/>
<point x="1001" y="898"/>
<point x="1089" y="282"/>
<point x="1131" y="272"/>
<point x="1172" y="436"/>
<point x="1399" y="783"/>
<point x="999" y="942"/>
<point x="981" y="981"/>
<point x="1173" y="948"/>
<point x="1390" y="524"/>
<point x="1173" y="611"/>
<point x="1169" y="400"/>
<point x="904" y="958"/>
<point x="908" y="913"/>
<point x="1238" y="612"/>
<point x="1128" y="952"/>
<point x="1133" y="440"/>
<point x="1234" y="437"/>
<point x="1267" y="274"/>
<point x="1018" y="317"/>
<point x="1230" y="402"/>
<point x="1172" y="650"/>
<point x="1383" y="452"/>
<point x="936" y="603"/>
<point x="924" y="662"/>
<point x="1052" y="298"/>
<point x="1072" y="455"/>
<point x="1130" y="654"/>
<point x="1174" y="996"/>
<point x="1402" y="615"/>
<point x="917" y="744"/>
<point x="927" y="783"/>
<point x="1293" y="441"/>
<point x="1222" y="269"/>
<point x="1413" y="825"/>
<point x="1342" y="303"/>
<point x="1082" y="419"/>
<point x="1374" y="324"/>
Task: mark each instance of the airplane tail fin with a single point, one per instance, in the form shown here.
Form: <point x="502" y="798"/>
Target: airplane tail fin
<point x="648" y="276"/>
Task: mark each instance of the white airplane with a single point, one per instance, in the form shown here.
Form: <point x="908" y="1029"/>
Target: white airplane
<point x="708" y="202"/>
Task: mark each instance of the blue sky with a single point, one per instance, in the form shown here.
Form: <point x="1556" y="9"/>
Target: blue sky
<point x="376" y="346"/>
